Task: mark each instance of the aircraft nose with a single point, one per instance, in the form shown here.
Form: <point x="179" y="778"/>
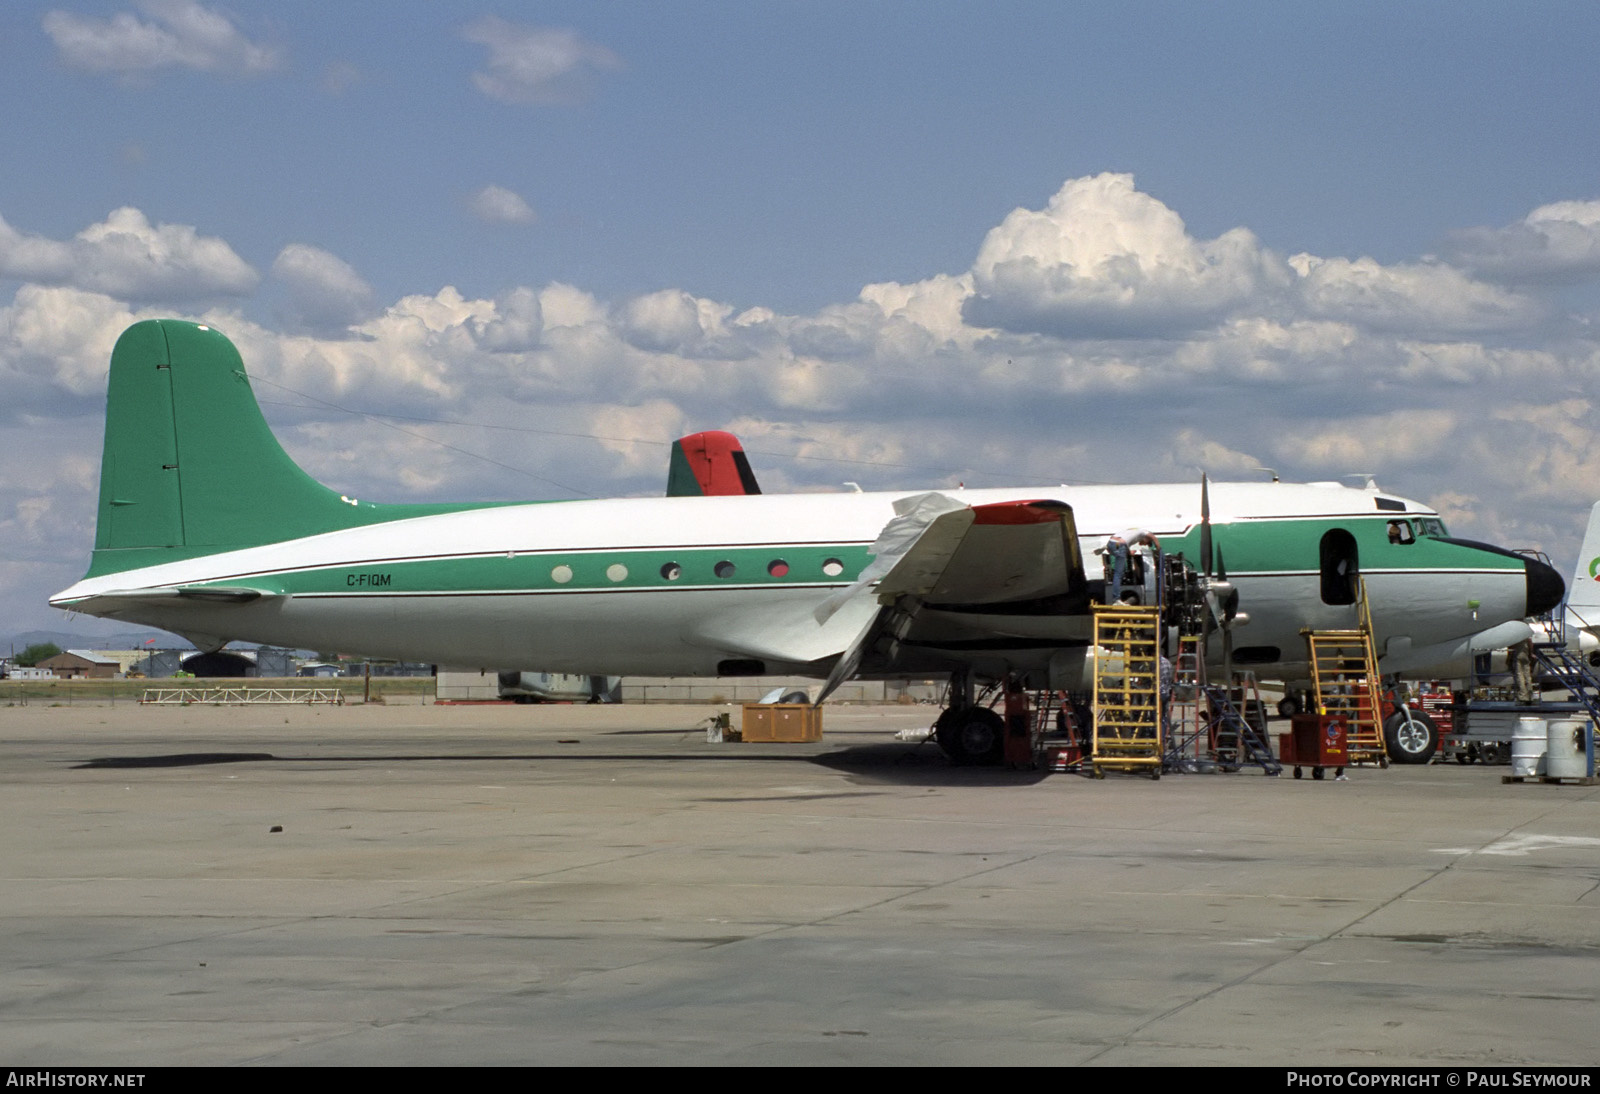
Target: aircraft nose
<point x="1545" y="587"/>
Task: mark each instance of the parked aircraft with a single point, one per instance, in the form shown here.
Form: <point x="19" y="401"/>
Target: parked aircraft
<point x="206" y="528"/>
<point x="709" y="464"/>
<point x="1583" y="599"/>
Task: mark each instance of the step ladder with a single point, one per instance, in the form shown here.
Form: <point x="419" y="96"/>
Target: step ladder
<point x="1054" y="715"/>
<point x="1344" y="681"/>
<point x="1059" y="736"/>
<point x="1188" y="736"/>
<point x="1128" y="732"/>
<point x="1238" y="742"/>
<point x="1569" y="670"/>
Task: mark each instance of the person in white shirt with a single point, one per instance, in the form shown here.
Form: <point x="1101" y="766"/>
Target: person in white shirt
<point x="1117" y="547"/>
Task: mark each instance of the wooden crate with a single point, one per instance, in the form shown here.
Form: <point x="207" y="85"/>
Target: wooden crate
<point x="787" y="722"/>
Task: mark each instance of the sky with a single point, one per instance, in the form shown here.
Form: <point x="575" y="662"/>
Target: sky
<point x="487" y="252"/>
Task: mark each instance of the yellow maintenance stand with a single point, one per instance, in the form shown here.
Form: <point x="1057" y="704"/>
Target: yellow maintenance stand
<point x="1345" y="682"/>
<point x="1127" y="690"/>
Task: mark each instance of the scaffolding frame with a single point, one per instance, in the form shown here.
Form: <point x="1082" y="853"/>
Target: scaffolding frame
<point x="1128" y="731"/>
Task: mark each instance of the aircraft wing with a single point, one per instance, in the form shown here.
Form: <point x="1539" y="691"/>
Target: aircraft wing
<point x="949" y="553"/>
<point x="952" y="579"/>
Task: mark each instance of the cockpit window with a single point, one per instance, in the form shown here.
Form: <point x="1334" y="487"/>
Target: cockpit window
<point x="1400" y="532"/>
<point x="1428" y="526"/>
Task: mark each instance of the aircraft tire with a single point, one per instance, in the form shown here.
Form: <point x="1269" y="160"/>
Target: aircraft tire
<point x="1410" y="744"/>
<point x="972" y="736"/>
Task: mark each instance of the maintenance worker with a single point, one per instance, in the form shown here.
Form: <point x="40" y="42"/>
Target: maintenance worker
<point x="1519" y="659"/>
<point x="1117" y="548"/>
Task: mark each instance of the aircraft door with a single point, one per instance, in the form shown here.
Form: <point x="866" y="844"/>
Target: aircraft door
<point x="1340" y="567"/>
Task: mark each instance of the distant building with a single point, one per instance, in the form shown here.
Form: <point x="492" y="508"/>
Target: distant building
<point x="268" y="661"/>
<point x="160" y="664"/>
<point x="128" y="660"/>
<point x="82" y="664"/>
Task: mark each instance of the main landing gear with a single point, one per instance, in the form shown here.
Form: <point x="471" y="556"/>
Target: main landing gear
<point x="969" y="734"/>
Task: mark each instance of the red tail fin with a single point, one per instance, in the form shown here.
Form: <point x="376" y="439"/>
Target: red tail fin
<point x="709" y="464"/>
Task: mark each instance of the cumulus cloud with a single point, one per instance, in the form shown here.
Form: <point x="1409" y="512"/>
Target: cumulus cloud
<point x="672" y="321"/>
<point x="1422" y="298"/>
<point x="1103" y="260"/>
<point x="516" y="325"/>
<point x="59" y="339"/>
<point x="326" y="294"/>
<point x="174" y="34"/>
<point x="1557" y="243"/>
<point x="497" y="205"/>
<point x="530" y="66"/>
<point x="127" y="257"/>
<point x="934" y="305"/>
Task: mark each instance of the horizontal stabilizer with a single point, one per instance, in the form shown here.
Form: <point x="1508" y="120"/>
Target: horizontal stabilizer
<point x="123" y="599"/>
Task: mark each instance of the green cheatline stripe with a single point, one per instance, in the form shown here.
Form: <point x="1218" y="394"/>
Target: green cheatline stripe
<point x="757" y="567"/>
<point x="1294" y="545"/>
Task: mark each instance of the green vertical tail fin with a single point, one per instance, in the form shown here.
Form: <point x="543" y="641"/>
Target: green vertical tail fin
<point x="191" y="467"/>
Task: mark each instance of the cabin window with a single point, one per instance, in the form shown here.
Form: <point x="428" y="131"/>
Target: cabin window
<point x="778" y="568"/>
<point x="1341" y="565"/>
<point x="672" y="571"/>
<point x="833" y="567"/>
<point x="617" y="572"/>
<point x="561" y="575"/>
<point x="1400" y="532"/>
<point x="724" y="569"/>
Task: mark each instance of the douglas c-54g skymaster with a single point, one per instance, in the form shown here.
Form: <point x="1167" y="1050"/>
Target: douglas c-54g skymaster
<point x="208" y="529"/>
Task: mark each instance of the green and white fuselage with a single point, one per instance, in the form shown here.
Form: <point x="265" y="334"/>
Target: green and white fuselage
<point x="685" y="585"/>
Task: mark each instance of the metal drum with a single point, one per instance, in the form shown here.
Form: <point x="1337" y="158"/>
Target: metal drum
<point x="1568" y="754"/>
<point x="1528" y="747"/>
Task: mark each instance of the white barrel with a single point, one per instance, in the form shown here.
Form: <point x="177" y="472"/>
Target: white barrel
<point x="1567" y="755"/>
<point x="1528" y="744"/>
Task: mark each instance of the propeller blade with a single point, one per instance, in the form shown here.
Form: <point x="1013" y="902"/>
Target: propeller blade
<point x="1205" y="525"/>
<point x="1222" y="567"/>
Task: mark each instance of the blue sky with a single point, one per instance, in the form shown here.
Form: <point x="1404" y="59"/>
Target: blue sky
<point x="1325" y="238"/>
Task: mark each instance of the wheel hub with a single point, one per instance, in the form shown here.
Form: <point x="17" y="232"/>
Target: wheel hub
<point x="1412" y="736"/>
